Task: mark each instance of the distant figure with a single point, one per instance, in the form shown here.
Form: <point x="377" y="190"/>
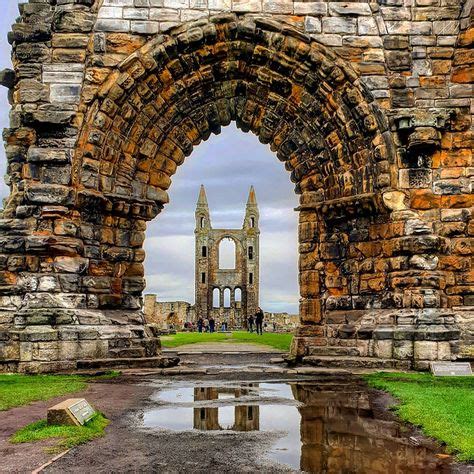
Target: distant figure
<point x="274" y="326"/>
<point x="250" y="322"/>
<point x="200" y="324"/>
<point x="259" y="321"/>
<point x="212" y="325"/>
<point x="206" y="325"/>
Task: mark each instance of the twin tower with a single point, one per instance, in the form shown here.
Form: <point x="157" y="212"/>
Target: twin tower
<point x="227" y="294"/>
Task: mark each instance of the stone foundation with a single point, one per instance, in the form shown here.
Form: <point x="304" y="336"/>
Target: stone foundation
<point x="403" y="339"/>
<point x="47" y="343"/>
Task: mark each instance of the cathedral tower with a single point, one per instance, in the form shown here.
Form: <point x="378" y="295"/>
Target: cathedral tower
<point x="227" y="294"/>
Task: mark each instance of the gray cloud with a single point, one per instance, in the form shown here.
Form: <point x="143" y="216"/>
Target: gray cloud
<point x="227" y="165"/>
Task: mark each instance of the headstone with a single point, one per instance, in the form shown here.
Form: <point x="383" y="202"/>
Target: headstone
<point x="450" y="369"/>
<point x="74" y="411"/>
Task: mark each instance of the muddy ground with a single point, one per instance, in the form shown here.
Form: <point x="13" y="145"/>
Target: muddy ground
<point x="127" y="447"/>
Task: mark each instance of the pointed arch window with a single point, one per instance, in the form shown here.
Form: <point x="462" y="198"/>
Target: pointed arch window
<point x="252" y="222"/>
<point x="250" y="252"/>
<point x="203" y="222"/>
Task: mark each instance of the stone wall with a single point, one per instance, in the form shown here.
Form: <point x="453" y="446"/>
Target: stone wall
<point x="168" y="313"/>
<point x="368" y="104"/>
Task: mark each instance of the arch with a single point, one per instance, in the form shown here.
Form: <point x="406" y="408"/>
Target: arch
<point x="292" y="92"/>
<point x="216" y="298"/>
<point x="227" y="252"/>
<point x="271" y="79"/>
<point x="227" y="298"/>
<point x="74" y="223"/>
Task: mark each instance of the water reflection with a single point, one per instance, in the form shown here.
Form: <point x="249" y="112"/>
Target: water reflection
<point x="325" y="427"/>
<point x="245" y="417"/>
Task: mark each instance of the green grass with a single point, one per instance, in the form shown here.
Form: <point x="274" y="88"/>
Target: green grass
<point x="443" y="407"/>
<point x="17" y="389"/>
<point x="276" y="340"/>
<point x="69" y="436"/>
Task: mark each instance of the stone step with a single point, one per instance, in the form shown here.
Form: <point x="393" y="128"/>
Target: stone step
<point x="129" y="362"/>
<point x="127" y="352"/>
<point x="356" y="362"/>
<point x="333" y="351"/>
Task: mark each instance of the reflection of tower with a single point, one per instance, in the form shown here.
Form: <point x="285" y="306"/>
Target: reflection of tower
<point x="206" y="418"/>
<point x="247" y="417"/>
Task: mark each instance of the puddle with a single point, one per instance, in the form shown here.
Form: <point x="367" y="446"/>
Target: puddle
<point x="321" y="427"/>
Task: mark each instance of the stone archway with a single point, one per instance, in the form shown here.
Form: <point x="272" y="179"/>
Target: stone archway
<point x="369" y="279"/>
<point x="290" y="91"/>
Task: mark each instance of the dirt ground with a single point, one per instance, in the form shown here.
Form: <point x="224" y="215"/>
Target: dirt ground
<point x="128" y="448"/>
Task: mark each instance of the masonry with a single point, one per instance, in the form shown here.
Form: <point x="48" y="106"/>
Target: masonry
<point x="368" y="105"/>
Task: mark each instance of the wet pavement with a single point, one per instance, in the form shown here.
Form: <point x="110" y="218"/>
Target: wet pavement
<point x="324" y="426"/>
<point x="243" y="422"/>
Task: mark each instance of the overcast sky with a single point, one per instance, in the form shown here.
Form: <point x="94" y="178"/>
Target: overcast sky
<point x="227" y="165"/>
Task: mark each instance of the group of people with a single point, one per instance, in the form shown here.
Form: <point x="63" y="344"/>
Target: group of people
<point x="257" y="320"/>
<point x="210" y="325"/>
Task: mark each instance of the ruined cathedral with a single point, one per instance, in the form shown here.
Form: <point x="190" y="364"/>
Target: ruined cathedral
<point x="227" y="294"/>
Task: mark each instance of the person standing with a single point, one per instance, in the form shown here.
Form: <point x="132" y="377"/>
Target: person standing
<point x="212" y="324"/>
<point x="259" y="321"/>
<point x="200" y="324"/>
<point x="250" y="322"/>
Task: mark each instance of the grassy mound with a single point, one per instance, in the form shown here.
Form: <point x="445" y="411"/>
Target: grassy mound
<point x="443" y="407"/>
<point x="68" y="436"/>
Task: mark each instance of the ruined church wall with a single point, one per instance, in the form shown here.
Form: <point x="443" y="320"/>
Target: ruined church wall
<point x="416" y="60"/>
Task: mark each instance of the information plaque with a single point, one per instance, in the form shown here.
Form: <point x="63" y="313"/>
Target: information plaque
<point x="451" y="369"/>
<point x="74" y="411"/>
<point x="82" y="411"/>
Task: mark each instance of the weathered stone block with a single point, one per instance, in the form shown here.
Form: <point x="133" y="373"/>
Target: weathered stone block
<point x="425" y="350"/>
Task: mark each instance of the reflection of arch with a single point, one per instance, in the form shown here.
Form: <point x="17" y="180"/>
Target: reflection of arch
<point x="216" y="298"/>
<point x="227" y="297"/>
<point x="227" y="251"/>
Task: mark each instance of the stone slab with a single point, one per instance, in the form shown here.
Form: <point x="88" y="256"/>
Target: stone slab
<point x="73" y="411"/>
<point x="451" y="369"/>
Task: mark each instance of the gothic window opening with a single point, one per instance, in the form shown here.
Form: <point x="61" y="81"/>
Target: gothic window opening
<point x="251" y="252"/>
<point x="203" y="222"/>
<point x="251" y="278"/>
<point x="252" y="222"/>
<point x="227" y="251"/>
<point x="227" y="298"/>
<point x="204" y="251"/>
<point x="238" y="295"/>
<point x="203" y="277"/>
<point x="216" y="298"/>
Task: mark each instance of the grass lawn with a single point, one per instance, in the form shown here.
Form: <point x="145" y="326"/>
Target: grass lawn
<point x="68" y="436"/>
<point x="18" y="389"/>
<point x="442" y="406"/>
<point x="276" y="340"/>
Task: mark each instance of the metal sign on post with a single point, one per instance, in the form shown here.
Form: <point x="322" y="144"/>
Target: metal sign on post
<point x="451" y="369"/>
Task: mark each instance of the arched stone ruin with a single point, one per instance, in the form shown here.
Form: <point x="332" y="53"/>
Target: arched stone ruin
<point x="366" y="104"/>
